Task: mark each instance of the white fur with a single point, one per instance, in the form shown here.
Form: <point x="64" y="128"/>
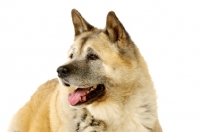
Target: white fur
<point x="119" y="117"/>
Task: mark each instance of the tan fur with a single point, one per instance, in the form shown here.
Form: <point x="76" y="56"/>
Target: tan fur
<point x="34" y="116"/>
<point x="129" y="103"/>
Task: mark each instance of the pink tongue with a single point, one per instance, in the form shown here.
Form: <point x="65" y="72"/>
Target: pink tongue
<point x="78" y="94"/>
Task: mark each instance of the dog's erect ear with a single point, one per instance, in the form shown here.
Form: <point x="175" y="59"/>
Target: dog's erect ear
<point x="115" y="29"/>
<point x="80" y="24"/>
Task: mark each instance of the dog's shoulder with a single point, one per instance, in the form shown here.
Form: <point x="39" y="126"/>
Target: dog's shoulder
<point x="34" y="115"/>
<point x="45" y="89"/>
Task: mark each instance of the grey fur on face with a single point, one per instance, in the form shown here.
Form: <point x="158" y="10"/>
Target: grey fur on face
<point x="84" y="72"/>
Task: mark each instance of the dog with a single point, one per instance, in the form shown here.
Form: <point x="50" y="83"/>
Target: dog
<point x="104" y="86"/>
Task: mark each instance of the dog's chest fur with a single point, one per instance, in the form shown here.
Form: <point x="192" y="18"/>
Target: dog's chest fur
<point x="135" y="115"/>
<point x="128" y="118"/>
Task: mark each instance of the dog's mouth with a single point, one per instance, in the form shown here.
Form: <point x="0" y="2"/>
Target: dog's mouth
<point x="86" y="95"/>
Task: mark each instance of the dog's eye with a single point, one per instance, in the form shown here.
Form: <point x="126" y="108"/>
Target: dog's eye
<point x="71" y="56"/>
<point x="92" y="57"/>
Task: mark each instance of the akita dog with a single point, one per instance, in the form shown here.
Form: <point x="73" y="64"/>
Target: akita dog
<point x="104" y="86"/>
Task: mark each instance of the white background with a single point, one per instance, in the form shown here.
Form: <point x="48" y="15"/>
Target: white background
<point x="35" y="36"/>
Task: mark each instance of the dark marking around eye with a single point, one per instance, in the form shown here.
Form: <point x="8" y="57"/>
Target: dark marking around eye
<point x="92" y="57"/>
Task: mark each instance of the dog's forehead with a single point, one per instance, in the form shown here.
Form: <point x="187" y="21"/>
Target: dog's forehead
<point x="88" y="40"/>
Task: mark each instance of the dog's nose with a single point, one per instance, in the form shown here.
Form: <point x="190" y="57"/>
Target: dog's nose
<point x="62" y="71"/>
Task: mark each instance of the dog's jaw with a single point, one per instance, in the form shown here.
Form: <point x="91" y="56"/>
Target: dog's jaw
<point x="83" y="95"/>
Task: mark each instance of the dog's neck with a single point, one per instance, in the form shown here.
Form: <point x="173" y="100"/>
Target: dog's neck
<point x="131" y="112"/>
<point x="107" y="111"/>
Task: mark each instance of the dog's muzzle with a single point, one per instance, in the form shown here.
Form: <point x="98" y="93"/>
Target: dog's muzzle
<point x="81" y="95"/>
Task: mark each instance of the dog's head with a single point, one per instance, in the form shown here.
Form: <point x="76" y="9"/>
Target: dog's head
<point x="102" y="62"/>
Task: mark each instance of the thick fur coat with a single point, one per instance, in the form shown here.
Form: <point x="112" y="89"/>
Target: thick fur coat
<point x="104" y="86"/>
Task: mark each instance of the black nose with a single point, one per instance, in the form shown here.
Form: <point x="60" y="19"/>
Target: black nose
<point x="62" y="71"/>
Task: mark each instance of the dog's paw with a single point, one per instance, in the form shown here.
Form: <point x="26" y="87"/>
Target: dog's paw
<point x="85" y="122"/>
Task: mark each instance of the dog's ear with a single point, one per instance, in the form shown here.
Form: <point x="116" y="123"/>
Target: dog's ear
<point x="115" y="30"/>
<point x="80" y="24"/>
